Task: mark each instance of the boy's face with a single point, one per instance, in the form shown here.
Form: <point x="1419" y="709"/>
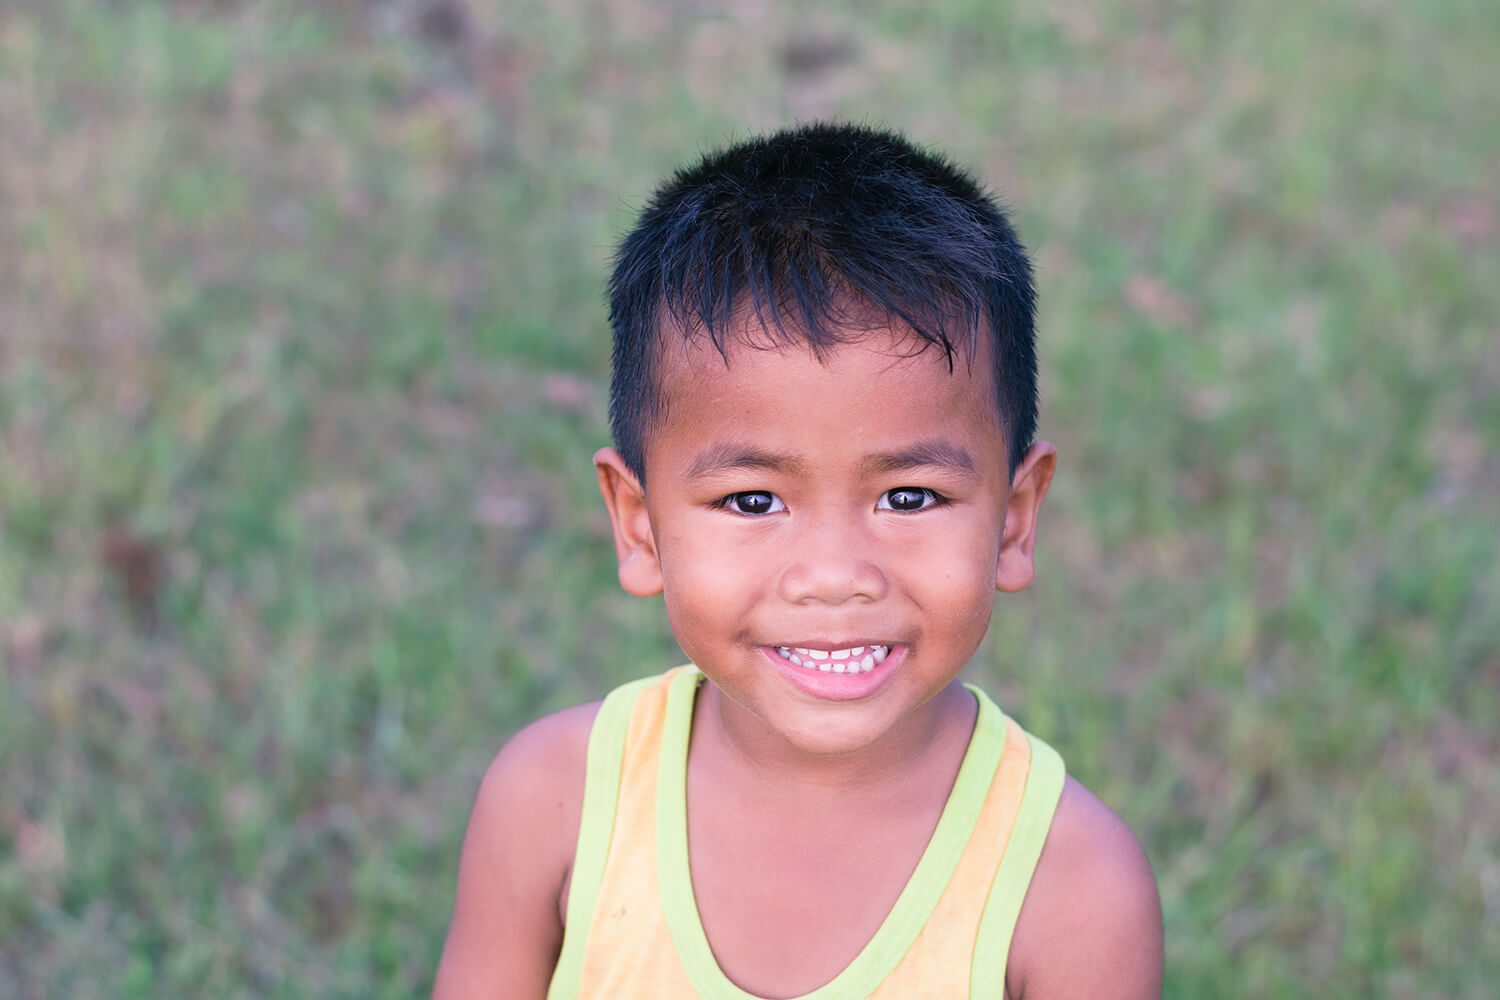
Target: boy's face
<point x="828" y="535"/>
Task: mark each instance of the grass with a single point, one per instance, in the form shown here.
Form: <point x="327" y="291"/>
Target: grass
<point x="302" y="357"/>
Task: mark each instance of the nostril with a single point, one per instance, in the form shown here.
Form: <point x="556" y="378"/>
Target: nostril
<point x="832" y="581"/>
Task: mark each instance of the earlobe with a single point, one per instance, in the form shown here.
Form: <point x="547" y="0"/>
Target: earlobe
<point x="635" y="545"/>
<point x="1028" y="488"/>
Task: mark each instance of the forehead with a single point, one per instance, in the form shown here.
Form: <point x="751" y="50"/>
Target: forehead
<point x="883" y="389"/>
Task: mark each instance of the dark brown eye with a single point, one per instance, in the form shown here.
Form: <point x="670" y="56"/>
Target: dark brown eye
<point x="754" y="502"/>
<point x="906" y="498"/>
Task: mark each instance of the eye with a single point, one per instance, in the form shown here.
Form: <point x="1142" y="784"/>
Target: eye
<point x="908" y="498"/>
<point x="753" y="502"/>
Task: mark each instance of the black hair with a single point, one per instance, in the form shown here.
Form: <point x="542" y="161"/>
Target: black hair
<point x="814" y="228"/>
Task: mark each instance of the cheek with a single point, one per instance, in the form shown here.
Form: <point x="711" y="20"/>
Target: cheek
<point x="967" y="600"/>
<point x="959" y="544"/>
<point x="708" y="586"/>
<point x="956" y="580"/>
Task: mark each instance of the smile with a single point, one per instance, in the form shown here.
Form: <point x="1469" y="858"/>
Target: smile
<point x="855" y="660"/>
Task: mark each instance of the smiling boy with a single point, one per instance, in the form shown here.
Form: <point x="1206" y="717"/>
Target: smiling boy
<point x="823" y="407"/>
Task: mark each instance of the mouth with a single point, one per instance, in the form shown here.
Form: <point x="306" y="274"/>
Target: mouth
<point x="850" y="660"/>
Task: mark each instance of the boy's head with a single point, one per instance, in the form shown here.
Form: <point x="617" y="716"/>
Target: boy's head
<point x="822" y="232"/>
<point x="834" y="499"/>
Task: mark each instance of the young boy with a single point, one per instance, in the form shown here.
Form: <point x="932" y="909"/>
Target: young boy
<point x="823" y="406"/>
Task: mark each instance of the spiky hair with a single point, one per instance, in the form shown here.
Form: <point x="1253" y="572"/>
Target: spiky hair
<point x="817" y="229"/>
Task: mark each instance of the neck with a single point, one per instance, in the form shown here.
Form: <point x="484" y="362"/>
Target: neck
<point x="933" y="735"/>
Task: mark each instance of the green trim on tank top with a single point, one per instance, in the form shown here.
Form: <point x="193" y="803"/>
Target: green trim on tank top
<point x="1044" y="783"/>
<point x="596" y="826"/>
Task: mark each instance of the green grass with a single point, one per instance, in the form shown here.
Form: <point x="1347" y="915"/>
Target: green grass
<point x="302" y="359"/>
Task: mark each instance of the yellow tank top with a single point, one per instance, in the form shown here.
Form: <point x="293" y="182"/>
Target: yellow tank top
<point x="632" y="926"/>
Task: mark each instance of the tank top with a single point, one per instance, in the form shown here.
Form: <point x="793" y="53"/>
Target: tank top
<point x="632" y="927"/>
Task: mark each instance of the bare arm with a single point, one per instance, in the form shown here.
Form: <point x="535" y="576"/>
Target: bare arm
<point x="507" y="925"/>
<point x="1091" y="922"/>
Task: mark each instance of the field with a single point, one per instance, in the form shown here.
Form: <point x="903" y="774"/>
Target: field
<point x="302" y="360"/>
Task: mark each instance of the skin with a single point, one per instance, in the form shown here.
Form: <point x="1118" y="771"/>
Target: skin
<point x="858" y="499"/>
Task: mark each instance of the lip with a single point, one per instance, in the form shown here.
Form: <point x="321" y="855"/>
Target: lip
<point x="836" y="687"/>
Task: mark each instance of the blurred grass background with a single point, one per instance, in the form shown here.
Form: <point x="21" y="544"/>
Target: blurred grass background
<point x="303" y="356"/>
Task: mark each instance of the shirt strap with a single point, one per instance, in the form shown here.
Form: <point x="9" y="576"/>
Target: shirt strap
<point x="601" y="793"/>
<point x="1044" y="783"/>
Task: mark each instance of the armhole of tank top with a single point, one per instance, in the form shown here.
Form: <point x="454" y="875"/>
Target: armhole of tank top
<point x="1044" y="783"/>
<point x="601" y="793"/>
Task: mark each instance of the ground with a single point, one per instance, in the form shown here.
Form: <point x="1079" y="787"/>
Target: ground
<point x="302" y="363"/>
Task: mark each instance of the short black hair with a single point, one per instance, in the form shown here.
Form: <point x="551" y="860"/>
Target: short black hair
<point x="812" y="227"/>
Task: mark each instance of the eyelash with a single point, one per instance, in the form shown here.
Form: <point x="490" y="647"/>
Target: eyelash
<point x="936" y="498"/>
<point x="728" y="502"/>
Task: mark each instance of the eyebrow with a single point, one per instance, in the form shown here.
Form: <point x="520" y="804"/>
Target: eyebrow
<point x="730" y="457"/>
<point x="923" y="454"/>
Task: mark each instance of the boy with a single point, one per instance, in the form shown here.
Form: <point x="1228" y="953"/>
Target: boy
<point x="823" y="405"/>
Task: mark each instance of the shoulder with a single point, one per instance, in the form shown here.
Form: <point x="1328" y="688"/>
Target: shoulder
<point x="1090" y="925"/>
<point x="517" y="854"/>
<point x="526" y="812"/>
<point x="541" y="768"/>
<point x="532" y="792"/>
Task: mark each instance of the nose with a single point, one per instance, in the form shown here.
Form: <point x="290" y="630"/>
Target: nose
<point x="831" y="564"/>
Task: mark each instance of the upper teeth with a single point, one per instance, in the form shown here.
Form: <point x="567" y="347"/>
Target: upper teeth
<point x="856" y="660"/>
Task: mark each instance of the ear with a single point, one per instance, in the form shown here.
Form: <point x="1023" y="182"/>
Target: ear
<point x="1028" y="487"/>
<point x="640" y="569"/>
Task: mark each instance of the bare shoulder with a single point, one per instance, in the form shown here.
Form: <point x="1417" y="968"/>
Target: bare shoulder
<point x="507" y="917"/>
<point x="535" y="783"/>
<point x="1091" y="922"/>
